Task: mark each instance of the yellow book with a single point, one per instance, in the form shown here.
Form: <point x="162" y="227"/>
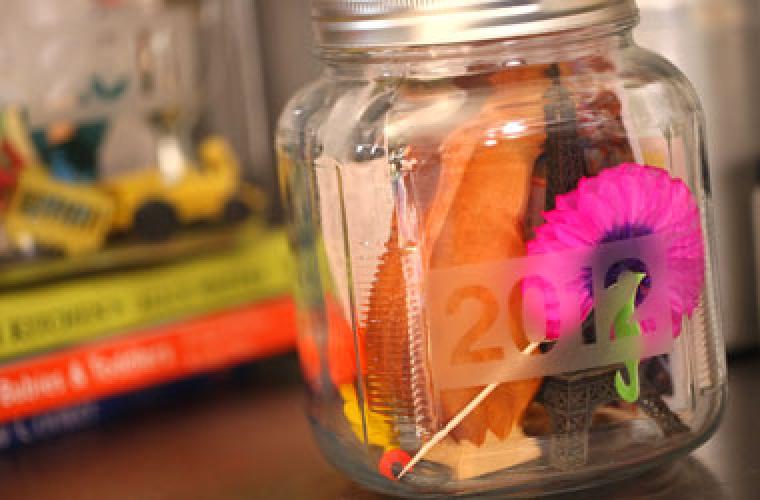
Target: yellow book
<point x="48" y="316"/>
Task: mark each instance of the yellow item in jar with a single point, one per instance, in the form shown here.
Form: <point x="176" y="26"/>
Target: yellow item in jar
<point x="379" y="430"/>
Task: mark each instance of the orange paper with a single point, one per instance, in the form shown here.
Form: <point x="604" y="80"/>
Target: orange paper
<point x="494" y="155"/>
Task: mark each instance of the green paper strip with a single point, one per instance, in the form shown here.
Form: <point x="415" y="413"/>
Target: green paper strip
<point x="626" y="326"/>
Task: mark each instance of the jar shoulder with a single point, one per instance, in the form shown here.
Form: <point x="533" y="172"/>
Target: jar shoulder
<point x="303" y="104"/>
<point x="644" y="71"/>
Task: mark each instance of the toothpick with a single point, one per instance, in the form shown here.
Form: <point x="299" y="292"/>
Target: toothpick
<point x="457" y="419"/>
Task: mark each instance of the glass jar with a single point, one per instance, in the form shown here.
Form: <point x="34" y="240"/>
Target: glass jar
<point x="501" y="217"/>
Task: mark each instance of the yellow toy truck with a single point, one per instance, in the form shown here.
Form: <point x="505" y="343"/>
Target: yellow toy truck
<point x="155" y="207"/>
<point x="76" y="218"/>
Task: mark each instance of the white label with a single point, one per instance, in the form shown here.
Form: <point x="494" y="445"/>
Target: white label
<point x="483" y="317"/>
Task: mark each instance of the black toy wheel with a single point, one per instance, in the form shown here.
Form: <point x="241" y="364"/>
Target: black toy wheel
<point x="235" y="210"/>
<point x="156" y="221"/>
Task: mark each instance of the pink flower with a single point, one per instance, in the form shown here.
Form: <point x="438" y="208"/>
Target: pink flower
<point x="623" y="202"/>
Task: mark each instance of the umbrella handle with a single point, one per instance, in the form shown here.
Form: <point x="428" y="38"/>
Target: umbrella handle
<point x="627" y="326"/>
<point x="629" y="392"/>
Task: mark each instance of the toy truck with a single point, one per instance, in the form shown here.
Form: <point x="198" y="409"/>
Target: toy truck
<point x="77" y="218"/>
<point x="154" y="207"/>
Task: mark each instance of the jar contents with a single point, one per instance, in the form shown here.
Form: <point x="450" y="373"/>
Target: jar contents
<point x="484" y="194"/>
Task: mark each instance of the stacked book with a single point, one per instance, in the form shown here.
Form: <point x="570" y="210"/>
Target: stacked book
<point x="78" y="351"/>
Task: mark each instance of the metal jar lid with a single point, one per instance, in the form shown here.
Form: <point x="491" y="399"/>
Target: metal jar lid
<point x="394" y="23"/>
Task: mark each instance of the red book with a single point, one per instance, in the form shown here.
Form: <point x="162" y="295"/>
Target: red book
<point x="138" y="360"/>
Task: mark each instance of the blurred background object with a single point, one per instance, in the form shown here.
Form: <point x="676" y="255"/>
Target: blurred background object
<point x="146" y="117"/>
<point x="237" y="92"/>
<point x="135" y="175"/>
<point x="286" y="43"/>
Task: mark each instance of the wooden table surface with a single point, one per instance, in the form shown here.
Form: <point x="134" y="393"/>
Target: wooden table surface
<point x="256" y="444"/>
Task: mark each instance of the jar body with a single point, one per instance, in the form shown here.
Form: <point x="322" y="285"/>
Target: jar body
<point x="504" y="265"/>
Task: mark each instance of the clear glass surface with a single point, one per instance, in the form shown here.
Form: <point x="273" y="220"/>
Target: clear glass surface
<point x="504" y="267"/>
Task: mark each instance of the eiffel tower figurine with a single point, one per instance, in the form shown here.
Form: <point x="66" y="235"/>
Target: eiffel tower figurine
<point x="563" y="157"/>
<point x="571" y="399"/>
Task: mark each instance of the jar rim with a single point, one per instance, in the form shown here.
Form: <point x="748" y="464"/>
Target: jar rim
<point x="365" y="24"/>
